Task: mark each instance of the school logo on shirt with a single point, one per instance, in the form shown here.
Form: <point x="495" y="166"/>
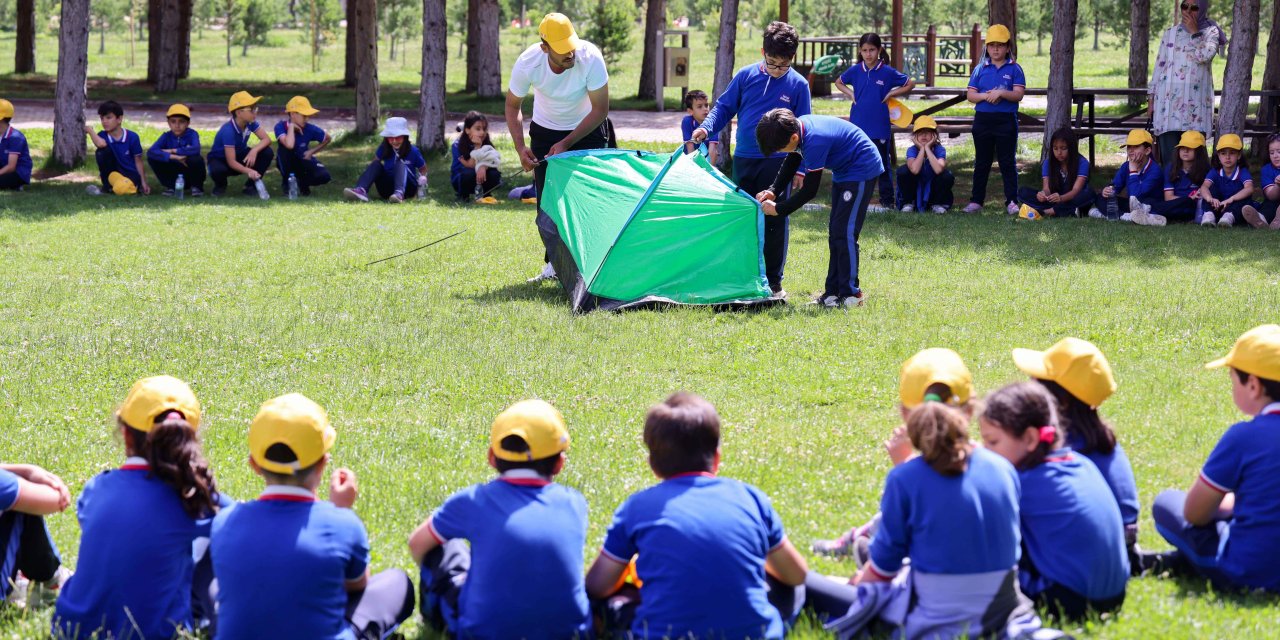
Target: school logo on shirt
<point x="880" y="82"/>
<point x="786" y="99"/>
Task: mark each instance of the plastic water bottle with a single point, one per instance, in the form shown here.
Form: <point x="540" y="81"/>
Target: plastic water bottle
<point x="422" y="187"/>
<point x="479" y="192"/>
<point x="180" y="185"/>
<point x="262" y="189"/>
<point x="293" y="187"/>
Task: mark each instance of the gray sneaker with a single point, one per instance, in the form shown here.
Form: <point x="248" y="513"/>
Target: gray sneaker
<point x="93" y="190"/>
<point x="548" y="273"/>
<point x="972" y="207"/>
<point x="1228" y="219"/>
<point x="841" y="547"/>
<point x="1254" y="218"/>
<point x="1095" y="213"/>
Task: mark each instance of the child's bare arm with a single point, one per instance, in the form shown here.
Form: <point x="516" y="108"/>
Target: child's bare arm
<point x="95" y="138"/>
<point x="422" y="541"/>
<point x="604" y="575"/>
<point x="786" y="564"/>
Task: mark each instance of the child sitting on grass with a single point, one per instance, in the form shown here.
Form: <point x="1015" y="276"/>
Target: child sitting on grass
<point x="290" y="566"/>
<point x="710" y="551"/>
<point x="118" y="154"/>
<point x="398" y="169"/>
<point x="1064" y="178"/>
<point x="1238" y="491"/>
<point x="1074" y="558"/>
<point x="1185" y="174"/>
<point x="231" y="154"/>
<point x="475" y="162"/>
<point x="297" y="158"/>
<point x="924" y="183"/>
<point x="32" y="573"/>
<point x="177" y="153"/>
<point x="1139" y="178"/>
<point x="521" y="576"/>
<point x="1266" y="212"/>
<point x="1226" y="190"/>
<point x="696" y="108"/>
<point x="15" y="163"/>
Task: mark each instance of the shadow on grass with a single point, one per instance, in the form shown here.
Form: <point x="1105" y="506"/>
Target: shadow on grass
<point x="521" y="291"/>
<point x="1197" y="587"/>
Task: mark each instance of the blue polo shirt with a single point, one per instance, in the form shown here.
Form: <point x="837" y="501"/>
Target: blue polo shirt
<point x="1072" y="528"/>
<point x="527" y="536"/>
<point x="988" y="76"/>
<point x="413" y="159"/>
<point x="966" y="523"/>
<point x="125" y="148"/>
<point x="14" y="142"/>
<point x="186" y="145"/>
<point x="926" y="169"/>
<point x="702" y="543"/>
<point x="1223" y="185"/>
<point x="1141" y="184"/>
<point x="1246" y="461"/>
<point x="1068" y="182"/>
<point x="135" y="559"/>
<point x="8" y="490"/>
<point x="282" y="563"/>
<point x="1118" y="474"/>
<point x="828" y="142"/>
<point x="751" y="94"/>
<point x="870" y="86"/>
<point x="1183" y="186"/>
<point x="688" y="124"/>
<point x="1269" y="173"/>
<point x="230" y="135"/>
<point x="310" y="133"/>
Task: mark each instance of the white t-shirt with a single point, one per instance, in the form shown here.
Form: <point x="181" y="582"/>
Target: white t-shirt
<point x="560" y="100"/>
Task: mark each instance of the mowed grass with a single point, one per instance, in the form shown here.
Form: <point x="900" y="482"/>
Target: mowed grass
<point x="414" y="357"/>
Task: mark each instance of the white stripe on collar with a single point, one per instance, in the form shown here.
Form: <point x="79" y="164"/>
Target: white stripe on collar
<point x="522" y="474"/>
<point x="1271" y="409"/>
<point x="136" y="460"/>
<point x="286" y="490"/>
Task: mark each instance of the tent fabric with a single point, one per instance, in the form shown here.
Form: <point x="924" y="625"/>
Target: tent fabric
<point x="627" y="229"/>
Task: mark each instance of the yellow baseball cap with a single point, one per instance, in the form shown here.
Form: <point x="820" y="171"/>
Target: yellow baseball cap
<point x="899" y="114"/>
<point x="998" y="33"/>
<point x="1076" y="365"/>
<point x="930" y="367"/>
<point x="1191" y="140"/>
<point x="6" y="109"/>
<point x="297" y="422"/>
<point x="151" y="397"/>
<point x="1230" y="141"/>
<point x="240" y="100"/>
<point x="1257" y="353"/>
<point x="1137" y="137"/>
<point x="924" y="122"/>
<point x="558" y="31"/>
<point x="536" y="422"/>
<point x="299" y="104"/>
<point x="178" y="110"/>
<point x="121" y="185"/>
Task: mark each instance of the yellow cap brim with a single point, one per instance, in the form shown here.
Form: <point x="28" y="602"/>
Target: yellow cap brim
<point x="565" y="46"/>
<point x="306" y="112"/>
<point x="1219" y="363"/>
<point x="1031" y="362"/>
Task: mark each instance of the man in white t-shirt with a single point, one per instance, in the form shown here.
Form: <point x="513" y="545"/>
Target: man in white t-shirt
<point x="570" y="85"/>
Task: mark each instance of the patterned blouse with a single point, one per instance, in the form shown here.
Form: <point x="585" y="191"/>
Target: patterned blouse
<point x="1182" y="85"/>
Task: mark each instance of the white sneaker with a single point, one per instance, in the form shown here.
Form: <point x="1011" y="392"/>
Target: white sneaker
<point x="875" y="208"/>
<point x="1012" y="208"/>
<point x="855" y="301"/>
<point x="1254" y="218"/>
<point x="937" y="208"/>
<point x="1206" y="219"/>
<point x="1135" y="206"/>
<point x="1094" y="213"/>
<point x="1228" y="219"/>
<point x="972" y="207"/>
<point x="829" y="302"/>
<point x="906" y="208"/>
<point x="548" y="273"/>
<point x="1156" y="220"/>
<point x="43" y="594"/>
<point x="1126" y="216"/>
<point x="93" y="190"/>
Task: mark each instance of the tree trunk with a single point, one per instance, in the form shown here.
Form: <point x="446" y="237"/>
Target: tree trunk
<point x="24" y="58"/>
<point x="435" y="54"/>
<point x="724" y="66"/>
<point x="1271" y="75"/>
<point x="1139" y="46"/>
<point x="69" y="92"/>
<point x="102" y="37"/>
<point x="349" y="76"/>
<point x="488" y="53"/>
<point x="1062" y="51"/>
<point x="1097" y="27"/>
<point x="154" y="12"/>
<point x="655" y="18"/>
<point x="1239" y="71"/>
<point x="185" y="8"/>
<point x="227" y="31"/>
<point x="473" y="38"/>
<point x="1005" y="12"/>
<point x="367" y="62"/>
<point x="165" y="41"/>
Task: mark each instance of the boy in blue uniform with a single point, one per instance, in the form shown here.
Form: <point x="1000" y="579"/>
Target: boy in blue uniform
<point x="705" y="544"/>
<point x="1227" y="524"/>
<point x="817" y="143"/>
<point x="289" y="565"/>
<point x="1140" y="178"/>
<point x="521" y="577"/>
<point x="177" y="153"/>
<point x="754" y="90"/>
<point x="119" y="152"/>
<point x="295" y="135"/>
<point x="696" y="107"/>
<point x="15" y="163"/>
<point x="231" y="154"/>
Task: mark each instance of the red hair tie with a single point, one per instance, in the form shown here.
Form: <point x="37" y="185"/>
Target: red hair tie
<point x="1049" y="434"/>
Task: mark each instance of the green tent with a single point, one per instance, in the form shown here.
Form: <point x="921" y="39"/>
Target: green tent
<point x="626" y="229"/>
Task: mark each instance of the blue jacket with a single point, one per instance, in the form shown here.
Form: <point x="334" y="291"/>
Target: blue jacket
<point x="188" y="145"/>
<point x="751" y="94"/>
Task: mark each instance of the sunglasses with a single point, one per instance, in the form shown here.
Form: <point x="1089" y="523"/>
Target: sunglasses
<point x="1190" y="7"/>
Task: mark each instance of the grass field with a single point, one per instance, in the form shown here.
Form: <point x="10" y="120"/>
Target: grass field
<point x="413" y="358"/>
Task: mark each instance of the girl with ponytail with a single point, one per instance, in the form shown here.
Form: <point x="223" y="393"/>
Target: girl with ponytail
<point x="138" y="524"/>
<point x="1075" y="559"/>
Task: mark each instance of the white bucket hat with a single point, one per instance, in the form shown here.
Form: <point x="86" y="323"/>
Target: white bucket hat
<point x="395" y="127"/>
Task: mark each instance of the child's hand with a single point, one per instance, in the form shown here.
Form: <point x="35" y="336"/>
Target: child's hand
<point x="993" y="96"/>
<point x="1040" y="196"/>
<point x="342" y="488"/>
<point x="146" y="188"/>
<point x="178" y="158"/>
<point x="898" y="446"/>
<point x="482" y="174"/>
<point x="1054" y="198"/>
<point x="698" y="136"/>
<point x="1108" y="191"/>
<point x="253" y="175"/>
<point x="88" y="129"/>
<point x="36" y="475"/>
<point x="308" y="155"/>
<point x="765" y="196"/>
<point x="1276" y="181"/>
<point x="770" y="209"/>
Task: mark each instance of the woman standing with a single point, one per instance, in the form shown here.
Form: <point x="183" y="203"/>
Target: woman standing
<point x="1181" y="91"/>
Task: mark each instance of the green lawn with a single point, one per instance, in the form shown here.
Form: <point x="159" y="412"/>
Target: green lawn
<point x="414" y="357"/>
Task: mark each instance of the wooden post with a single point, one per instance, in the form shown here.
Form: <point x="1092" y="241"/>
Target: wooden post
<point x="1239" y="71"/>
<point x="897" y="52"/>
<point x="69" y="91"/>
<point x="24" y="58"/>
<point x="931" y="45"/>
<point x="435" y="53"/>
<point x="975" y="47"/>
<point x="784" y="10"/>
<point x="367" y="106"/>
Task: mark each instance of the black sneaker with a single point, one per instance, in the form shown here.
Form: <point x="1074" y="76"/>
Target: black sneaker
<point x="1158" y="562"/>
<point x="218" y="192"/>
<point x="197" y="192"/>
<point x="168" y="193"/>
<point x="249" y="189"/>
